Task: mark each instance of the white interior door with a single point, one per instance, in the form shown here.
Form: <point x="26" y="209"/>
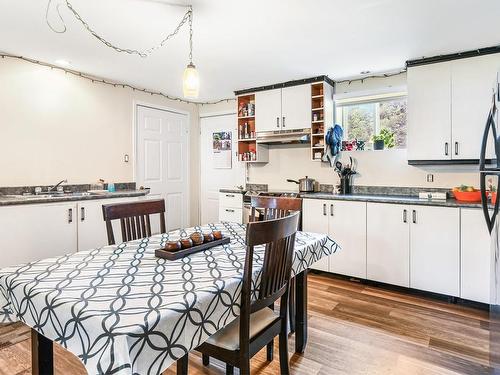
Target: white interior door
<point x="213" y="179"/>
<point x="162" y="160"/>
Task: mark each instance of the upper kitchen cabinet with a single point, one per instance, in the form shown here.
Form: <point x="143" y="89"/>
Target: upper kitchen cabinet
<point x="296" y="107"/>
<point x="448" y="105"/>
<point x="268" y="110"/>
<point x="471" y="91"/>
<point x="429" y="112"/>
<point x="288" y="108"/>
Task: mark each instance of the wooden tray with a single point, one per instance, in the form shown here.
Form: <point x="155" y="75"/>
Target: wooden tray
<point x="174" y="255"/>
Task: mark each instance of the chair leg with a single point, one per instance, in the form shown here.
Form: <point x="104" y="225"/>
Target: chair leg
<point x="245" y="367"/>
<point x="182" y="365"/>
<point x="205" y="359"/>
<point x="270" y="351"/>
<point x="229" y="369"/>
<point x="284" y="367"/>
<point x="291" y="306"/>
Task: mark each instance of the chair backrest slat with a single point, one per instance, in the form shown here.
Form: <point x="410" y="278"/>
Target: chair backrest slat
<point x="134" y="218"/>
<point x="274" y="207"/>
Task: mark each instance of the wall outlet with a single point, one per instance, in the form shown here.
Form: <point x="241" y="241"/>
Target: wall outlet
<point x="430" y="177"/>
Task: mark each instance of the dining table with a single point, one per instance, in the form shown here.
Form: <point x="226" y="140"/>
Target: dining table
<point x="122" y="310"/>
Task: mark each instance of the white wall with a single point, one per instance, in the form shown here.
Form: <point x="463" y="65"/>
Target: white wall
<point x="56" y="126"/>
<point x="377" y="168"/>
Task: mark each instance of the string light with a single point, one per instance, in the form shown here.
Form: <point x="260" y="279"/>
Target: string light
<point x="110" y="83"/>
<point x="363" y="79"/>
<point x="191" y="80"/>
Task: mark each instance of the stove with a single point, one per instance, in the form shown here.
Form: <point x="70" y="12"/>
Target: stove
<point x="286" y="194"/>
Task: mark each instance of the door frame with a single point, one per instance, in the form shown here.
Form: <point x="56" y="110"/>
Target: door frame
<point x="227" y="112"/>
<point x="135" y="128"/>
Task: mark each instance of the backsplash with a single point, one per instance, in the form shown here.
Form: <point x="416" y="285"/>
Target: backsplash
<point x="77" y="188"/>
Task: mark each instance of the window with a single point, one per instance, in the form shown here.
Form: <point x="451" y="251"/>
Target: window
<point x="362" y="119"/>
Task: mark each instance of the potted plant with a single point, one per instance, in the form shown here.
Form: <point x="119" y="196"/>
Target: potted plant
<point x="384" y="139"/>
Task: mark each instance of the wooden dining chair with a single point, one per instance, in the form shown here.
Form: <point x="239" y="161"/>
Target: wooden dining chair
<point x="134" y="218"/>
<point x="258" y="325"/>
<point x="273" y="207"/>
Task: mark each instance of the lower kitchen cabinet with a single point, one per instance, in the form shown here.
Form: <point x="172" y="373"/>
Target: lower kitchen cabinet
<point x="315" y="219"/>
<point x="388" y="243"/>
<point x="32" y="232"/>
<point x="435" y="249"/>
<point x="345" y="222"/>
<point x="231" y="207"/>
<point x="475" y="256"/>
<point x="347" y="225"/>
<point x="91" y="227"/>
<point x="36" y="231"/>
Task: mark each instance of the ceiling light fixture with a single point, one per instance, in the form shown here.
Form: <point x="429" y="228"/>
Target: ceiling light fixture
<point x="190" y="81"/>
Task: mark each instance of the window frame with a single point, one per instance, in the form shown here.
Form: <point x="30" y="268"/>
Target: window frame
<point x="341" y="102"/>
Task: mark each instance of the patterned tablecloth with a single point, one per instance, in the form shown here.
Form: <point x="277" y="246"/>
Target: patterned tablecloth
<point x="122" y="310"/>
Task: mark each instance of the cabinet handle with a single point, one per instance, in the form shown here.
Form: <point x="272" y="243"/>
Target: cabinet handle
<point x="324" y="209"/>
<point x="405" y="216"/>
<point x="277" y="122"/>
<point x="331" y="210"/>
<point x="229" y="210"/>
<point x="230" y="195"/>
<point x="414" y="216"/>
<point x="456" y="148"/>
<point x="70" y="215"/>
<point x="283" y="121"/>
<point x="82" y="214"/>
<point x="446" y="148"/>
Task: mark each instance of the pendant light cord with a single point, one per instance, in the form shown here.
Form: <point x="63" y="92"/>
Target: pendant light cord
<point x="188" y="17"/>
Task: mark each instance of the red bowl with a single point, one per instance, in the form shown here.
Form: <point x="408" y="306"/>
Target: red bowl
<point x="467" y="196"/>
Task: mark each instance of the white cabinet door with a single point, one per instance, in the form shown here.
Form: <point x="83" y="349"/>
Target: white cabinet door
<point x="296" y="107"/>
<point x="475" y="260"/>
<point x="387" y="239"/>
<point x="233" y="215"/>
<point x="91" y="226"/>
<point x="429" y="112"/>
<point x="435" y="249"/>
<point x="347" y="226"/>
<point x="37" y="231"/>
<point x="315" y="219"/>
<point x="472" y="87"/>
<point x="268" y="110"/>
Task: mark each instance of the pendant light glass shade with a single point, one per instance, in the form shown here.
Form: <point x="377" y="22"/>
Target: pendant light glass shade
<point x="191" y="82"/>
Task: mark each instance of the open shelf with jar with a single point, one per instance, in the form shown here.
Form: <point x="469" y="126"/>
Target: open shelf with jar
<point x="248" y="149"/>
<point x="321" y="117"/>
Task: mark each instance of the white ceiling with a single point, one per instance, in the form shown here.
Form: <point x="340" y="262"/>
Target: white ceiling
<point x="241" y="44"/>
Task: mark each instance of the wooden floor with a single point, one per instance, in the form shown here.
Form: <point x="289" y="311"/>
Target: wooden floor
<point x="353" y="329"/>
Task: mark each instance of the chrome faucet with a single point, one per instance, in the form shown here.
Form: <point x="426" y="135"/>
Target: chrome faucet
<point x="54" y="188"/>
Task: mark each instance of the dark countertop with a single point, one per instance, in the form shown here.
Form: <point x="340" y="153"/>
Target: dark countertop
<point x="396" y="199"/>
<point x="233" y="191"/>
<point x="6" y="200"/>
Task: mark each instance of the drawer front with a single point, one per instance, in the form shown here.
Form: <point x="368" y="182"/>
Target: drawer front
<point x="234" y="215"/>
<point x="234" y="200"/>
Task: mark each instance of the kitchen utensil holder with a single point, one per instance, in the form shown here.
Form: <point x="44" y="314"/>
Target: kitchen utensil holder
<point x="345" y="185"/>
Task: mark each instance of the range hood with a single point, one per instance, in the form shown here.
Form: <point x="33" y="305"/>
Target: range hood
<point x="297" y="136"/>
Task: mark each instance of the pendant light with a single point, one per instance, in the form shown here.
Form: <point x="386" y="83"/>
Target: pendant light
<point x="190" y="79"/>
